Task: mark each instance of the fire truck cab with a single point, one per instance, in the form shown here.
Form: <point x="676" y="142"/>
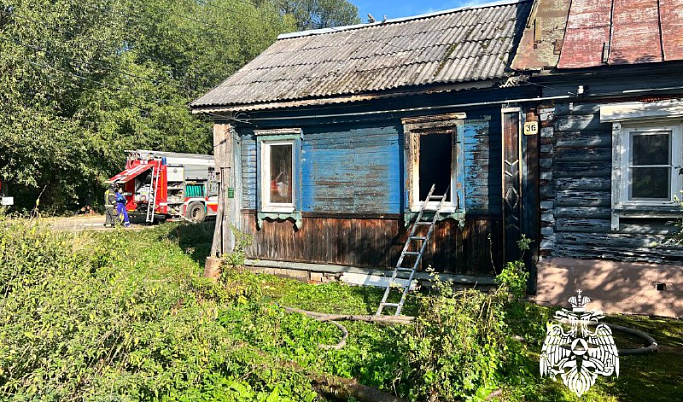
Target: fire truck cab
<point x="169" y="185"/>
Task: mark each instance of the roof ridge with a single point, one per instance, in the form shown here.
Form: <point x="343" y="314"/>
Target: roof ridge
<point x="321" y="31"/>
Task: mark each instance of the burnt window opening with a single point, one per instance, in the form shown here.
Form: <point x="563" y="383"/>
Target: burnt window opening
<point x="434" y="155"/>
<point x="436" y="162"/>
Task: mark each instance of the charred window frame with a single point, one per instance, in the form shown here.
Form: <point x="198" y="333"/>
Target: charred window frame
<point x="426" y="140"/>
<point x="279" y="175"/>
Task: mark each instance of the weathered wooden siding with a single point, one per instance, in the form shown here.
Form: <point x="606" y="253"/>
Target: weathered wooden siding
<point x="345" y="169"/>
<point x="353" y="198"/>
<point x="351" y="169"/>
<point x="376" y="242"/>
<point x="575" y="164"/>
<point x="483" y="165"/>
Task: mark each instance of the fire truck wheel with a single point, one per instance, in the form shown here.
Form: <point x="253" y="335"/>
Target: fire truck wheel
<point x="196" y="212"/>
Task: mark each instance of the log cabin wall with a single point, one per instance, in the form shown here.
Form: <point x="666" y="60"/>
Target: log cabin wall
<point x="576" y="191"/>
<point x="353" y="198"/>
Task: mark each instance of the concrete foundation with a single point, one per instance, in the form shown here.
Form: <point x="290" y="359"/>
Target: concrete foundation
<point x="614" y="287"/>
<point x="303" y="276"/>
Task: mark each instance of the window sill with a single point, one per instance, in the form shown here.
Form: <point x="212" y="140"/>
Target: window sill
<point x="664" y="209"/>
<point x="644" y="211"/>
<point x="279" y="216"/>
<point x="287" y="209"/>
<point x="458" y="215"/>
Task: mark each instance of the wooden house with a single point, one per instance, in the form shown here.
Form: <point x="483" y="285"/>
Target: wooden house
<point x="611" y="149"/>
<point x="329" y="140"/>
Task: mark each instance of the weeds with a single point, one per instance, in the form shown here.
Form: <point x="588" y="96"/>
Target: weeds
<point x="126" y="316"/>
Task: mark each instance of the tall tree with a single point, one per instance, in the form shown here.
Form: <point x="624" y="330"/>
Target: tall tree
<point x="316" y="14"/>
<point x="82" y="80"/>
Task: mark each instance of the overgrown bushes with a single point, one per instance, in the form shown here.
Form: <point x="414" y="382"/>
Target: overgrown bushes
<point x="126" y="316"/>
<point x="117" y="315"/>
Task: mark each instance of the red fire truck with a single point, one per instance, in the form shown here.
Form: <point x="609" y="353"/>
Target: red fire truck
<point x="163" y="185"/>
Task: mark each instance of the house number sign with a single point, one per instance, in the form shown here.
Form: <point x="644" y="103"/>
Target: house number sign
<point x="531" y="128"/>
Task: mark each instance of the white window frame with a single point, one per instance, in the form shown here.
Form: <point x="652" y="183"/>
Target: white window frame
<point x="269" y="206"/>
<point x="625" y="149"/>
<point x="625" y="118"/>
<point x="415" y="201"/>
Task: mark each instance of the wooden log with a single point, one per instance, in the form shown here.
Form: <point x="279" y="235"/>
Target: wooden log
<point x="582" y="169"/>
<point x="212" y="268"/>
<point x="583" y="225"/>
<point x="344" y="389"/>
<point x="585" y="183"/>
<point x="588" y="154"/>
<point x="573" y="108"/>
<point x="583" y="212"/>
<point x="571" y="198"/>
<point x="579" y="123"/>
<point x="579" y="139"/>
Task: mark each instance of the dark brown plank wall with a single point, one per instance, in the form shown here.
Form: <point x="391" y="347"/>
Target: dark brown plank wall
<point x="376" y="242"/>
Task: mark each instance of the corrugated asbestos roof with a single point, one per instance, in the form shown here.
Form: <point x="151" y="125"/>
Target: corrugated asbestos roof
<point x="592" y="33"/>
<point x="469" y="44"/>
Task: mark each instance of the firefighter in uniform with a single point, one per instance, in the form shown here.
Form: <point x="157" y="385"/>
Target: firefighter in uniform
<point x="121" y="207"/>
<point x="110" y="206"/>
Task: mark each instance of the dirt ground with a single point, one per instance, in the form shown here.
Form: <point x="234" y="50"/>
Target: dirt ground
<point x="85" y="222"/>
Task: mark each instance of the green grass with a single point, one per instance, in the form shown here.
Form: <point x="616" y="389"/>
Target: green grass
<point x="185" y="339"/>
<point x="655" y="377"/>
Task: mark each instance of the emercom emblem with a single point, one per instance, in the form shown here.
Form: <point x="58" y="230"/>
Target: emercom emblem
<point x="576" y="353"/>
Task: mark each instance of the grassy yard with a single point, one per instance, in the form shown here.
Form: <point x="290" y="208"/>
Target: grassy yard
<point x="126" y="316"/>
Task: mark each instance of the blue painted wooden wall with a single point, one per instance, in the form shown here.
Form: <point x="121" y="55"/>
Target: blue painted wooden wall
<point x="359" y="167"/>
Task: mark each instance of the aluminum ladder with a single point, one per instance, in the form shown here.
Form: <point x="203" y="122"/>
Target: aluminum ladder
<point x="152" y="195"/>
<point x="420" y="243"/>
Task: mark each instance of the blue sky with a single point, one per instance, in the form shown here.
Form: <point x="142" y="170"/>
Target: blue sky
<point x="406" y="8"/>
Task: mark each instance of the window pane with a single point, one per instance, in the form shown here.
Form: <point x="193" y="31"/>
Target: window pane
<point x="281" y="174"/>
<point x="651" y="149"/>
<point x="650" y="182"/>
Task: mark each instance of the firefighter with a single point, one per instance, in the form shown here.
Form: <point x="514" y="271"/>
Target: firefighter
<point x="110" y="206"/>
<point x="121" y="207"/>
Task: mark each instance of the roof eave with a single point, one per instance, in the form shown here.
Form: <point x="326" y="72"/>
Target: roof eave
<point x="296" y="103"/>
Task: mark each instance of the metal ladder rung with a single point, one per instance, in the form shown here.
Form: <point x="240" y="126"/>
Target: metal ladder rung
<point x="418" y="254"/>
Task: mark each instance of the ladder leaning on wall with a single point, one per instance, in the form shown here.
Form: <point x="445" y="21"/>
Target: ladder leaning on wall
<point x="420" y="242"/>
<point x="152" y="196"/>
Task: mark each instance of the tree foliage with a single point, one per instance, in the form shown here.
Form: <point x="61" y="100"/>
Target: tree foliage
<point x="316" y="14"/>
<point x="83" y="80"/>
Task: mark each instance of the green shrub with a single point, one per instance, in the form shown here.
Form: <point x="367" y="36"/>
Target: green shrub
<point x="238" y="256"/>
<point x="456" y="345"/>
<point x="119" y="316"/>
